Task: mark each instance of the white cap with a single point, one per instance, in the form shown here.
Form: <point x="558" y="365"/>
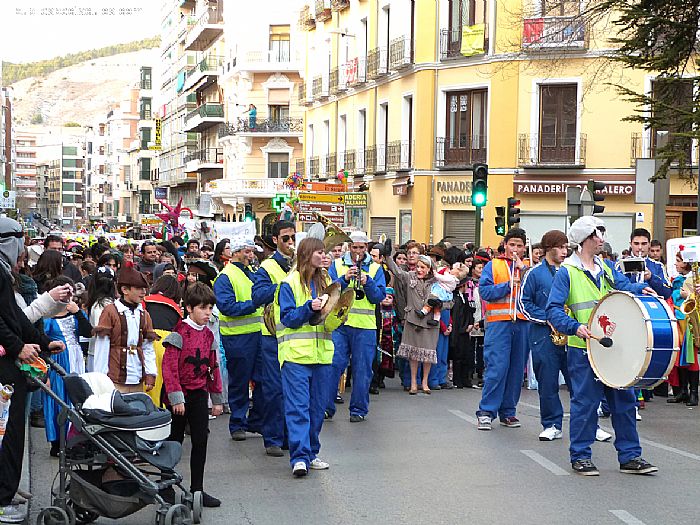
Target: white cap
<point x="359" y="237"/>
<point x="583" y="227"/>
<point x="239" y="243"/>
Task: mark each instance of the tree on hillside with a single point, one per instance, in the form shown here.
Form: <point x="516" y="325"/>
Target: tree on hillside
<point x="660" y="37"/>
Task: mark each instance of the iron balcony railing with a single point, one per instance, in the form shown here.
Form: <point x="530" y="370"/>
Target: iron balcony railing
<point x="376" y="63"/>
<point x="316" y="86"/>
<point x="146" y="83"/>
<point x="207" y="110"/>
<point x="208" y="63"/>
<point x="207" y="156"/>
<point x="339" y="5"/>
<point x="356" y="71"/>
<point x="551" y="149"/>
<point x="306" y="19"/>
<point x="360" y="162"/>
<point x="451" y="43"/>
<point x="323" y="10"/>
<point x="333" y="80"/>
<point x="554" y="32"/>
<point x="370" y="160"/>
<point x="400" y="53"/>
<point x="314" y="167"/>
<point x="460" y="152"/>
<point x="300" y="166"/>
<point x="328" y="167"/>
<point x="380" y="166"/>
<point x="399" y="155"/>
<point x="265" y="125"/>
<point x="643" y="146"/>
<point x="346" y="161"/>
<point x="209" y="17"/>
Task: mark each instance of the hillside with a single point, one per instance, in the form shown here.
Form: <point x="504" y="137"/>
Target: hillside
<point x="79" y="93"/>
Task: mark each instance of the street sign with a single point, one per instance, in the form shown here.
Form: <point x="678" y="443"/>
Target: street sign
<point x="310" y="217"/>
<point x="322" y="208"/>
<point x="322" y="186"/>
<point x="322" y="197"/>
<point x="8" y="199"/>
<point x="150" y="220"/>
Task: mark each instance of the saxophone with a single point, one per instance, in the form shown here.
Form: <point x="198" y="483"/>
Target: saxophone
<point x="690" y="307"/>
<point x="558" y="338"/>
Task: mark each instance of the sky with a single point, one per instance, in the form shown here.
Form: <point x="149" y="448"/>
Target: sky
<point x="39" y="29"/>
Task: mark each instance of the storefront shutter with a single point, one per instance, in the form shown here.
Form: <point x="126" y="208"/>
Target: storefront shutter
<point x="386" y="225"/>
<point x="460" y="227"/>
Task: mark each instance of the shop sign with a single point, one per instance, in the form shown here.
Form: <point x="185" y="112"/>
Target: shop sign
<point x="623" y="189"/>
<point x="159" y="135"/>
<point x="160" y="193"/>
<point x="356" y="200"/>
<point x="455" y="192"/>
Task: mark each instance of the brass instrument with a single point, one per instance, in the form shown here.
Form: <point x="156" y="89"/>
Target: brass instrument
<point x="269" y="318"/>
<point x="334" y="235"/>
<point x="515" y="290"/>
<point x="357" y="285"/>
<point x="558" y="338"/>
<point x="690" y="306"/>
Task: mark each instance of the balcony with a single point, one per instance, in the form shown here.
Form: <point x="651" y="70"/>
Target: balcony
<point x="304" y="98"/>
<point x="399" y="155"/>
<point x="460" y="153"/>
<point x="205" y="159"/>
<point x="376" y="63"/>
<point x="644" y="146"/>
<point x="204" y="73"/>
<point x="204" y="117"/>
<point x="356" y="71"/>
<point x="300" y="167"/>
<point x="333" y="80"/>
<point x="339" y="5"/>
<point x="328" y="167"/>
<point x="289" y="127"/>
<point x="307" y="21"/>
<point x="380" y="166"/>
<point x="261" y="188"/>
<point x="451" y="43"/>
<point x="187" y="101"/>
<point x="400" y="53"/>
<point x="360" y="162"/>
<point x="268" y="61"/>
<point x="346" y="161"/>
<point x="370" y="160"/>
<point x="550" y="150"/>
<point x="208" y="28"/>
<point x="314" y="167"/>
<point x="558" y="32"/>
<point x="323" y="10"/>
<point x="319" y="87"/>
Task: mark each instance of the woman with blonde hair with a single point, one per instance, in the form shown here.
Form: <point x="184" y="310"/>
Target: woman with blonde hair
<point x="305" y="353"/>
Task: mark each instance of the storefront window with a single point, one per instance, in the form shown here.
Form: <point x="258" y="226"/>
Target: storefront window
<point x="357" y="217"/>
<point x="405" y="225"/>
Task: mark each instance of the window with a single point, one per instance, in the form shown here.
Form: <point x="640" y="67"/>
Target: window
<point x="464" y="13"/>
<point x="145" y="172"/>
<point x="277" y="165"/>
<point x="465" y="137"/>
<point x="279" y="43"/>
<point x="278" y="113"/>
<point x="557" y="140"/>
<point x="68" y="186"/>
<point x="68" y="198"/>
<point x="145" y="78"/>
<point x="677" y="95"/>
<point x="561" y="7"/>
<point x="70" y="150"/>
<point x="145" y="137"/>
<point x="145" y="202"/>
<point x="145" y="111"/>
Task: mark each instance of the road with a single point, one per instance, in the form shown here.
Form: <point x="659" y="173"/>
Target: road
<point x="421" y="459"/>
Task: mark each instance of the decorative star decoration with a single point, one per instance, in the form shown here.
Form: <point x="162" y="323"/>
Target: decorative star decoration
<point x="197" y="362"/>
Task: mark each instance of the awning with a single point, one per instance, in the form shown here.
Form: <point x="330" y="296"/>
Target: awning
<point x="400" y="186"/>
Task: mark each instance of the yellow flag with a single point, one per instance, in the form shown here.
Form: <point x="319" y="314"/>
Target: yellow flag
<point x="473" y="40"/>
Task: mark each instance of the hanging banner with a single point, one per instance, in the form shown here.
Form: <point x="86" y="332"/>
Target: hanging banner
<point x="473" y="40"/>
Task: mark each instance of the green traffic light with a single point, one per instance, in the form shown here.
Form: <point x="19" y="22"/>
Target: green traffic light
<point x="478" y="199"/>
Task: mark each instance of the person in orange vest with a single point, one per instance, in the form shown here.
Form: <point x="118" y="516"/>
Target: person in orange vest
<point x="505" y="340"/>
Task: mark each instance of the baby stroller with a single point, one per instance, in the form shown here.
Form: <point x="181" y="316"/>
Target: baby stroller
<point x="114" y="461"/>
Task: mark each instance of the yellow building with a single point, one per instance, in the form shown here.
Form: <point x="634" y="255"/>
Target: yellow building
<point x="406" y="95"/>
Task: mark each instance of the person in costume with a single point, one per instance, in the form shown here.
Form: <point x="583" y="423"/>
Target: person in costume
<point x="356" y="341"/>
<point x="686" y="370"/>
<point x="266" y="280"/>
<point x="305" y="355"/>
<point x="582" y="280"/>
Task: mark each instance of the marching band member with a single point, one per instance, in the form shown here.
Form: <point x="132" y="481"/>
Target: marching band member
<point x="582" y="280"/>
<point x="505" y="342"/>
<point x="655" y="273"/>
<point x="548" y="359"/>
<point x="239" y="325"/>
<point x="272" y="271"/>
<point x="356" y="341"/>
<point x="305" y="356"/>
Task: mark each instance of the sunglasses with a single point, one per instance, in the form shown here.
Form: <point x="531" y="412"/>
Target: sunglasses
<point x="285" y="238"/>
<point x="5" y="235"/>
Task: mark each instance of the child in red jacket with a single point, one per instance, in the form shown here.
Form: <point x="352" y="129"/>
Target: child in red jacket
<point x="190" y="375"/>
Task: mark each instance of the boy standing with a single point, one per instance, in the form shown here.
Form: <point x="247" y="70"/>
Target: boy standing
<point x="125" y="335"/>
<point x="190" y="374"/>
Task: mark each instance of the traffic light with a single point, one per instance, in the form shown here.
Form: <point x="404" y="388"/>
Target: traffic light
<point x="595" y="188"/>
<point x="248" y="215"/>
<point x="480" y="175"/>
<point x="500" y="220"/>
<point x="513" y="212"/>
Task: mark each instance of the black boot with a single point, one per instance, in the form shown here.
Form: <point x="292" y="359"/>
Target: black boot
<point x="693" y="399"/>
<point x="680" y="392"/>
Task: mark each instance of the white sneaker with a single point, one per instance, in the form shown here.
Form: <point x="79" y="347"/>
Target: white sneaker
<point x="550" y="434"/>
<point x="602" y="436"/>
<point x="12" y="514"/>
<point x="299" y="469"/>
<point x="637" y="416"/>
<point x="319" y="464"/>
<point x="600" y="411"/>
<point x="484" y="423"/>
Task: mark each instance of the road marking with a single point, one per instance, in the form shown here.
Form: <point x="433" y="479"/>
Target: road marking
<point x="543" y="461"/>
<point x="462" y="415"/>
<point x="626" y="517"/>
<point x="537" y="407"/>
<point x="673" y="450"/>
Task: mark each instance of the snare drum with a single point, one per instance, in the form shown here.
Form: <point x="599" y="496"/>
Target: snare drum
<point x="645" y="338"/>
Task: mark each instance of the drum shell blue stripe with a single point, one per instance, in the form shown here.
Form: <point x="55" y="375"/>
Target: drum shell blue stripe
<point x="662" y="342"/>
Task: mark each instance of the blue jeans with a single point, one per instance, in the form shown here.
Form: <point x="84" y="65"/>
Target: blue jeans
<point x="505" y="344"/>
<point x="304" y="388"/>
<point x="548" y="360"/>
<point x="586" y="396"/>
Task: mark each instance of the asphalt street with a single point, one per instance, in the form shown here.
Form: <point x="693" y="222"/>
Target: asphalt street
<point x="421" y="459"/>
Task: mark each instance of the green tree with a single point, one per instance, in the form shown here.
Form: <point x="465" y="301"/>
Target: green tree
<point x="37" y="119"/>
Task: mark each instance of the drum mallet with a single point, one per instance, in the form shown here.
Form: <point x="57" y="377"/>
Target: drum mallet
<point x="604" y="341"/>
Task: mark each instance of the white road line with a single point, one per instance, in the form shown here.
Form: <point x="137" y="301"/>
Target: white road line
<point x="673" y="450"/>
<point x="462" y="415"/>
<point x="543" y="461"/>
<point x="626" y="517"/>
<point x="536" y="407"/>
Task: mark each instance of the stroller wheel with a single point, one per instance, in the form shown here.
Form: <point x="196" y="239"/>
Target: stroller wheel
<point x="82" y="516"/>
<point x="178" y="515"/>
<point x="197" y="506"/>
<point x="53" y="516"/>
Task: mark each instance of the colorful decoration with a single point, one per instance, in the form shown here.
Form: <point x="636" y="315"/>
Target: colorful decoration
<point x="171" y="219"/>
<point x="294" y="181"/>
<point x="290" y="208"/>
<point x="343" y="176"/>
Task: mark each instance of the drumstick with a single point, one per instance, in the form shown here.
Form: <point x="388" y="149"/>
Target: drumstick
<point x="604" y="341"/>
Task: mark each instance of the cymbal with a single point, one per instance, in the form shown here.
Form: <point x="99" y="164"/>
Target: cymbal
<point x="332" y="293"/>
<point x="269" y="318"/>
<point x="340" y="311"/>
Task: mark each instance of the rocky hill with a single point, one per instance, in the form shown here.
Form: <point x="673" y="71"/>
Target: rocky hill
<point x="80" y="93"/>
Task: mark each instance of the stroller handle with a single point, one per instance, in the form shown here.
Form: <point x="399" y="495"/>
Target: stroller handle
<point x="53" y="364"/>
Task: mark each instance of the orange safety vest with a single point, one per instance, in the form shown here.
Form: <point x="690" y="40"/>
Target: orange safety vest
<point x="500" y="310"/>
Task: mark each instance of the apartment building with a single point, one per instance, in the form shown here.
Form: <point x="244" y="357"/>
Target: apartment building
<point x="25" y="177"/>
<point x="6" y="150"/>
<point x="408" y="95"/>
<point x="96" y="179"/>
<point x="260" y="76"/>
<point x="66" y="205"/>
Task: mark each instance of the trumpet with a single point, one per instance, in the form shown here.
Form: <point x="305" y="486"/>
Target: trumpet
<point x="357" y="285"/>
<point x="558" y="338"/>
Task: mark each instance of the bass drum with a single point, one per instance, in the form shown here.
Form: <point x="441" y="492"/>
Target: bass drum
<point x="645" y="340"/>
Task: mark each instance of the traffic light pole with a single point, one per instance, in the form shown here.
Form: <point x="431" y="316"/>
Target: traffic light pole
<point x="477" y="229"/>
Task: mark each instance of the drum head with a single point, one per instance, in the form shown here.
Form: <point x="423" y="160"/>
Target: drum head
<point x="619" y="317"/>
